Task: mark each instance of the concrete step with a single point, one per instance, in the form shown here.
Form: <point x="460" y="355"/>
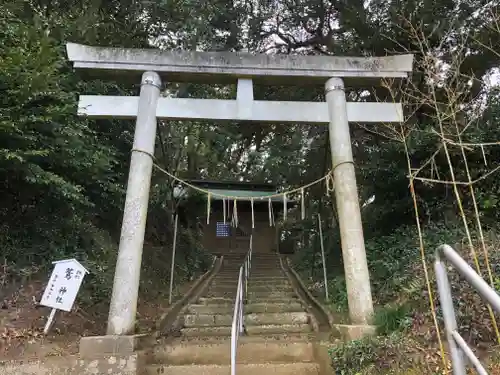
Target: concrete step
<point x="210" y="309"/>
<point x="268" y="329"/>
<point x="265" y="281"/>
<point x="215" y="301"/>
<point x="264" y="298"/>
<point x="248" y="308"/>
<point x="217" y="292"/>
<point x="207" y="320"/>
<point x="265" y="262"/>
<point x="273" y="307"/>
<point x="224" y="287"/>
<point x="276" y="337"/>
<point x="224" y="283"/>
<point x="252" y="288"/>
<point x="275" y="294"/>
<point x="273" y="300"/>
<point x="277" y="318"/>
<point x="210" y="320"/>
<point x="206" y="331"/>
<point x="273" y="329"/>
<point x="267" y="276"/>
<point x="219" y="352"/>
<point x="243" y="369"/>
<point x="269" y="281"/>
<point x="228" y="295"/>
<point x="263" y="288"/>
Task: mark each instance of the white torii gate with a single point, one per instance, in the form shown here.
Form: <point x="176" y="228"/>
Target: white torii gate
<point x="244" y="69"/>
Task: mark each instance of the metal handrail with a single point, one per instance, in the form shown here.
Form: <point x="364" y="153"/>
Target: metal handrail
<point x="457" y="345"/>
<point x="241" y="293"/>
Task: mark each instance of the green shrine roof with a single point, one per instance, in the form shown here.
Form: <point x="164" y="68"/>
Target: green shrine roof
<point x="245" y="191"/>
<point x="244" y="194"/>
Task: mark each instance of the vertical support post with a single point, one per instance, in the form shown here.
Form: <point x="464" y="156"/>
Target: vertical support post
<point x="172" y="266"/>
<point x="50" y="321"/>
<point x="450" y="321"/>
<point x="323" y="256"/>
<point x="123" y="307"/>
<point x="245" y="277"/>
<point x="346" y="196"/>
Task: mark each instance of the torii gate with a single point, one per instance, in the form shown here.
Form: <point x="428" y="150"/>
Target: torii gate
<point x="215" y="67"/>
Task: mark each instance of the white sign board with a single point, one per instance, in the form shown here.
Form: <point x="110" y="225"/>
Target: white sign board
<point x="63" y="285"/>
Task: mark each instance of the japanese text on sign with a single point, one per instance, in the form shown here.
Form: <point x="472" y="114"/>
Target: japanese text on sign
<point x="63" y="285"/>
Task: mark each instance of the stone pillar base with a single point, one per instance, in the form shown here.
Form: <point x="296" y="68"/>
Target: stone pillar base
<point x="72" y="365"/>
<point x="101" y="346"/>
<point x="353" y="332"/>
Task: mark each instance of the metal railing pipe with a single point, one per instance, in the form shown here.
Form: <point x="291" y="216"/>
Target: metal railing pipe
<point x="468" y="273"/>
<point x="457" y="345"/>
<point x="237" y="327"/>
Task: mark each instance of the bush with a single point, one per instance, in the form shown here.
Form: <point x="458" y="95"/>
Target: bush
<point x="373" y="355"/>
<point x="393" y="318"/>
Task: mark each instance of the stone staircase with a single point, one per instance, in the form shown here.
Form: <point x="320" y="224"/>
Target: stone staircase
<point x="278" y="330"/>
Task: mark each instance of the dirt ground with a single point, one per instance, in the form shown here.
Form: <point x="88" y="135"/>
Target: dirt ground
<point x="22" y="321"/>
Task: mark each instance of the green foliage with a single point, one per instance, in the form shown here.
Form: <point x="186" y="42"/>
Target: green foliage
<point x="370" y="355"/>
<point x="392" y="318"/>
<point x="52" y="163"/>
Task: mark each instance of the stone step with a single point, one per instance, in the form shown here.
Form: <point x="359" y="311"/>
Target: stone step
<point x="269" y="288"/>
<point x="274" y="294"/>
<point x="218" y="294"/>
<point x="265" y="263"/>
<point x="248" y="308"/>
<point x="252" y="288"/>
<point x="228" y="286"/>
<point x="273" y="300"/>
<point x="273" y="329"/>
<point x="243" y="369"/>
<point x="215" y="301"/>
<point x="267" y="276"/>
<point x="276" y="337"/>
<point x="207" y="320"/>
<point x="270" y="270"/>
<point x="228" y="295"/>
<point x="251" y="300"/>
<point x="224" y="283"/>
<point x="210" y="320"/>
<point x="264" y="298"/>
<point x="253" y="272"/>
<point x="268" y="329"/>
<point x="294" y="306"/>
<point x="222" y="291"/>
<point x="268" y="281"/>
<point x="277" y="318"/>
<point x="219" y="352"/>
<point x="265" y="280"/>
<point x="206" y="331"/>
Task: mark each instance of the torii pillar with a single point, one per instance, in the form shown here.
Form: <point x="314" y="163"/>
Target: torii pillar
<point x="208" y="67"/>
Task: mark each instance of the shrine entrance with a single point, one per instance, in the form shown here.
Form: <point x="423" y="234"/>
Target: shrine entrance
<point x="228" y="228"/>
<point x="334" y="73"/>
